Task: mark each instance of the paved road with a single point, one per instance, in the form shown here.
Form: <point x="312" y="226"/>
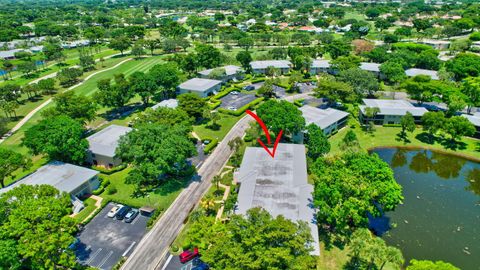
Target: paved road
<point x="151" y="252"/>
<point x="46" y="102"/>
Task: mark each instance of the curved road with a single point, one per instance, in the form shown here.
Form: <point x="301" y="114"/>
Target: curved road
<point x="151" y="252"/>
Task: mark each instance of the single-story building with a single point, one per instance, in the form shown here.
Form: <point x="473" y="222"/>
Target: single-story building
<point x="10" y="54"/>
<point x="261" y="66"/>
<point x="102" y="146"/>
<point x="418" y="71"/>
<point x="168" y="103"/>
<point x="329" y="120"/>
<point x="320" y="66"/>
<point x="200" y="86"/>
<point x="36" y="49"/>
<point x="372" y="67"/>
<point x="279" y="185"/>
<point x="231" y="73"/>
<point x="75" y="180"/>
<point x="436" y="44"/>
<point x="475" y="120"/>
<point x="389" y="111"/>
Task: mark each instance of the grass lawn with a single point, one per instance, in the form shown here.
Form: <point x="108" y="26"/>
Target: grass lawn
<point x="226" y="123"/>
<point x="89" y="208"/>
<point x="387" y="136"/>
<point x="161" y="198"/>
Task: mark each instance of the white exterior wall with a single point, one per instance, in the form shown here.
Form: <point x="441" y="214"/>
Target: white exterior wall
<point x="202" y="94"/>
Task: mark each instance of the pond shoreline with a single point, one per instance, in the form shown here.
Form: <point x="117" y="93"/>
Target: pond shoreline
<point x="433" y="149"/>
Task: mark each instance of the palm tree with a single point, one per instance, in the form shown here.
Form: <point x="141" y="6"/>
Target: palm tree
<point x="216" y="180"/>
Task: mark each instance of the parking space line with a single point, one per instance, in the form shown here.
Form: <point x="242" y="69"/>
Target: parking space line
<point x="135" y="220"/>
<point x="167" y="262"/>
<point x="95" y="254"/>
<point x="128" y="249"/>
<point x="105" y="259"/>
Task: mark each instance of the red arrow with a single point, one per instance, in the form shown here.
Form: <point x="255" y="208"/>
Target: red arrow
<point x="267" y="134"/>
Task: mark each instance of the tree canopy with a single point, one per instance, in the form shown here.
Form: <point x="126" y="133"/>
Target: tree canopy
<point x="281" y="115"/>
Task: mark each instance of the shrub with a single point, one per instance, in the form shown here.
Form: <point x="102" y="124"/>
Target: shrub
<point x="298" y="102"/>
<point x="115" y="169"/>
<point x="111" y="190"/>
<point x="392" y="125"/>
<point x="209" y="147"/>
<point x="213" y="104"/>
<point x="241" y="110"/>
<point x="153" y="219"/>
<point x="258" y="80"/>
<point x="101" y="188"/>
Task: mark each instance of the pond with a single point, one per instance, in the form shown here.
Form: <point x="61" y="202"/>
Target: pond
<point x="440" y="215"/>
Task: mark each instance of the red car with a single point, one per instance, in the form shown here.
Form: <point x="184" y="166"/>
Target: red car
<point x="187" y="255"/>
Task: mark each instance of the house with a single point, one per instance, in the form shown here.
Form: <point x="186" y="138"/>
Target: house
<point x="200" y="86"/>
<point x="329" y="120"/>
<point x="418" y="71"/>
<point x="279" y="185"/>
<point x="10" y="54"/>
<point x="475" y="120"/>
<point x="320" y="66"/>
<point x="231" y="73"/>
<point x="75" y="180"/>
<point x="261" y="66"/>
<point x="371" y="67"/>
<point x="102" y="146"/>
<point x="436" y="44"/>
<point x="389" y="111"/>
<point x="168" y="103"/>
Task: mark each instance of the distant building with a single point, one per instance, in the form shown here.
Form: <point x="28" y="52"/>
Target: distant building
<point x="279" y="185"/>
<point x="372" y="67"/>
<point x="320" y="66"/>
<point x="103" y="144"/>
<point x="329" y="120"/>
<point x="418" y="71"/>
<point x="168" y="103"/>
<point x="36" y="49"/>
<point x="231" y="73"/>
<point x="75" y="180"/>
<point x="390" y="111"/>
<point x="261" y="66"/>
<point x="475" y="120"/>
<point x="10" y="54"/>
<point x="436" y="44"/>
<point x="200" y="86"/>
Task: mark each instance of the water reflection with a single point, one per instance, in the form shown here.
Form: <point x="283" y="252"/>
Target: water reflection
<point x="473" y="177"/>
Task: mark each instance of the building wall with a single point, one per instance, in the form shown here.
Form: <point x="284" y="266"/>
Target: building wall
<point x="318" y="70"/>
<point x="385" y="119"/>
<point x="262" y="70"/>
<point x="100" y="160"/>
<point x="202" y="94"/>
<point x="335" y="126"/>
<point x="86" y="188"/>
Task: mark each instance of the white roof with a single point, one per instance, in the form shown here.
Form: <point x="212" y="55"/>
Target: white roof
<point x="9" y="53"/>
<point x="418" y="71"/>
<point x="392" y="107"/>
<point x="474" y="119"/>
<point x="278" y="185"/>
<point x="199" y="84"/>
<point x="229" y="70"/>
<point x="320" y="117"/>
<point x="168" y="103"/>
<point x="105" y="141"/>
<point x="374" y="67"/>
<point x="320" y="63"/>
<point x="270" y="63"/>
<point x="63" y="176"/>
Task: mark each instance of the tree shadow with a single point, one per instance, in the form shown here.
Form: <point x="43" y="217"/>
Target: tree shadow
<point x="402" y="136"/>
<point x="426" y="137"/>
<point x="452" y="144"/>
<point x="121" y="113"/>
<point x="212" y="126"/>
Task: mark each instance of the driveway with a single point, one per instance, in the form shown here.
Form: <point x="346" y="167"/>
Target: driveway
<point x="105" y="240"/>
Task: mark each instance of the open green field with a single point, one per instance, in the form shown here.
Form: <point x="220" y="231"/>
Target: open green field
<point x="226" y="123"/>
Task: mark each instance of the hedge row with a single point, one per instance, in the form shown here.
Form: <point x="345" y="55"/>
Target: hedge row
<point x="104" y="184"/>
<point x="392" y="125"/>
<point x="213" y="104"/>
<point x="104" y="203"/>
<point x="209" y="147"/>
<point x="115" y="169"/>
<point x="258" y="80"/>
<point x="298" y="102"/>
<point x="241" y="110"/>
<point x="225" y="92"/>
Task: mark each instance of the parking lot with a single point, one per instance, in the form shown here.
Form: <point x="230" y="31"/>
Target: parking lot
<point x="173" y="263"/>
<point x="234" y="102"/>
<point x="105" y="240"/>
<point x="279" y="91"/>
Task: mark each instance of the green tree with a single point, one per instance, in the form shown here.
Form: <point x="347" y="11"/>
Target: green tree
<point x="393" y="71"/>
<point x="281" y="115"/>
<point x="192" y="104"/>
<point x="35" y="220"/>
<point x="429" y="265"/>
<point x="152" y="45"/>
<point x="316" y="142"/>
<point x="433" y="122"/>
<point x="342" y="63"/>
<point x="407" y="123"/>
<point x="143" y="85"/>
<point x="121" y="44"/>
<point x="266" y="89"/>
<point x="86" y="62"/>
<point x="458" y="126"/>
<point x="244" y="58"/>
<point x="166" y="76"/>
<point x="113" y="95"/>
<point x="421" y="25"/>
<point x="338" y="48"/>
<point x="78" y="107"/>
<point x="246" y="43"/>
<point x="47" y="86"/>
<point x="208" y="56"/>
<point x="27" y="67"/>
<point x="363" y="82"/>
<point x="59" y="137"/>
<point x="471" y="89"/>
<point x="164" y="116"/>
<point x="137" y="50"/>
<point x="348" y="187"/>
<point x="69" y="76"/>
<point x="10" y="162"/>
<point x="464" y="65"/>
<point x="334" y="90"/>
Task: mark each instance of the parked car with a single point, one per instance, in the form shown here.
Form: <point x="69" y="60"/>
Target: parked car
<point x="131" y="215"/>
<point x="199" y="264"/>
<point x="188" y="255"/>
<point x="234" y="93"/>
<point x="232" y="108"/>
<point x="249" y="88"/>
<point x="114" y="210"/>
<point x="122" y="212"/>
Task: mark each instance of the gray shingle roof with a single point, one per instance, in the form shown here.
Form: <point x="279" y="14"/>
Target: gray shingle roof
<point x="63" y="176"/>
<point x="319" y="63"/>
<point x="105" y="141"/>
<point x="229" y="70"/>
<point x="270" y="63"/>
<point x="199" y="84"/>
<point x="418" y="71"/>
<point x="168" y="103"/>
<point x="279" y="185"/>
<point x="320" y="117"/>
<point x="393" y="107"/>
<point x="9" y="53"/>
<point x="474" y="119"/>
<point x="374" y="67"/>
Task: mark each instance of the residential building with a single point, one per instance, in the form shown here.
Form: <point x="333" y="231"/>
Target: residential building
<point x="75" y="180"/>
<point x="102" y="146"/>
<point x="475" y="120"/>
<point x="371" y="67"/>
<point x="320" y="66"/>
<point x="261" y="66"/>
<point x="10" y="54"/>
<point x="168" y="103"/>
<point x="389" y="111"/>
<point x="418" y="71"/>
<point x="200" y="86"/>
<point x="329" y="120"/>
<point x="231" y="73"/>
<point x="436" y="44"/>
<point x="279" y="185"/>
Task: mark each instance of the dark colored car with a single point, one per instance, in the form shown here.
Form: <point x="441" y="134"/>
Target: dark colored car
<point x="122" y="212"/>
<point x="188" y="255"/>
<point x="249" y="88"/>
<point x="131" y="215"/>
<point x="199" y="264"/>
